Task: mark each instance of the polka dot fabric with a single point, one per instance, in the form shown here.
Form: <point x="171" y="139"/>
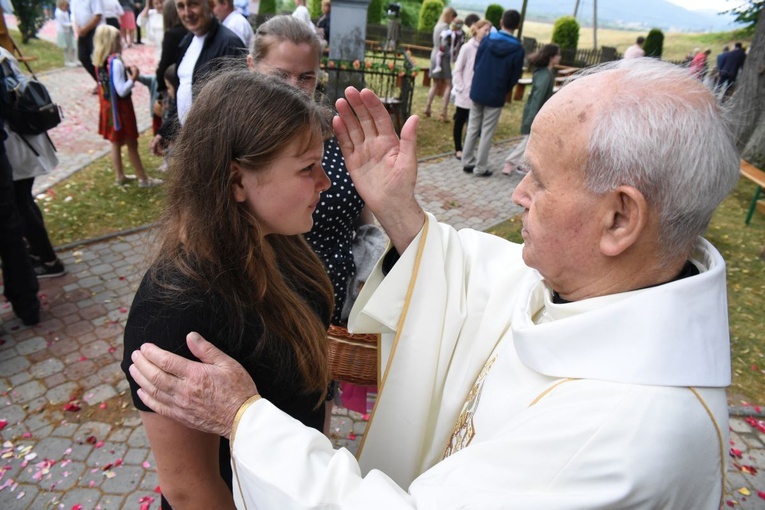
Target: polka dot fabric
<point x="333" y="224"/>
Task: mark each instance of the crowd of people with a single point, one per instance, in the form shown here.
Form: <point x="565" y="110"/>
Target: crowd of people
<point x="487" y="346"/>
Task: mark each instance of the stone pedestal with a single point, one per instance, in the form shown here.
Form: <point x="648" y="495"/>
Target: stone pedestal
<point x="349" y="31"/>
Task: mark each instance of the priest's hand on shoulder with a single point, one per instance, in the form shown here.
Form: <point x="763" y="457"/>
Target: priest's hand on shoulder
<point x="203" y="396"/>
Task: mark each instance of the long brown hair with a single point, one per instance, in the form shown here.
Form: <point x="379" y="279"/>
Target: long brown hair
<point x="215" y="242"/>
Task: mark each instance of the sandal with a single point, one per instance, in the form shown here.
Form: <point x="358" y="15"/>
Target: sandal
<point x="458" y="155"/>
<point x="508" y="169"/>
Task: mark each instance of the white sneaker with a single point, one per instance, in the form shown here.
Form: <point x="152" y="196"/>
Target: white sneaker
<point x="151" y="182"/>
<point x="437" y="69"/>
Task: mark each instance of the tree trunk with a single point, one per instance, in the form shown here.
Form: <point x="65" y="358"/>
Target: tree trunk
<point x="748" y="101"/>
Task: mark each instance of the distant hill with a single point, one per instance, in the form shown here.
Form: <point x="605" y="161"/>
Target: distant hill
<point x="623" y="14"/>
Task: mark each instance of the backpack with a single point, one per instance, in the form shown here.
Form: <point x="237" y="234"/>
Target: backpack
<point x="25" y="103"/>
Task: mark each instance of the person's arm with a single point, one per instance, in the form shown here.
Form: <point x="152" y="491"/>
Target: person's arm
<point x="123" y="84"/>
<point x="382" y="167"/>
<point x="459" y="69"/>
<point x="187" y="464"/>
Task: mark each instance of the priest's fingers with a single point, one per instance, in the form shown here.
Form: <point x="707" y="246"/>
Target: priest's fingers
<point x="352" y="126"/>
<point x="340" y="128"/>
<point x="379" y="116"/>
<point x="360" y="102"/>
<point x="407" y="156"/>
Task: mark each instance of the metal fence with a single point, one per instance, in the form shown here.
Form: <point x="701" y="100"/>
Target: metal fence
<point x="389" y="74"/>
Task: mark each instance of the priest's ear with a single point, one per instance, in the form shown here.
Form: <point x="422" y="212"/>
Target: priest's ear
<point x="625" y="220"/>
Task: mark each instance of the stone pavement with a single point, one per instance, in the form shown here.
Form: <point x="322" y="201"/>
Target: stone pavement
<point x="70" y="437"/>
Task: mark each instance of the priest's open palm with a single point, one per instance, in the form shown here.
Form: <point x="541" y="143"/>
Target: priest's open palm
<point x="382" y="166"/>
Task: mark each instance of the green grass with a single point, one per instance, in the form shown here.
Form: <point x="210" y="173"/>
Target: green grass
<point x="676" y="45"/>
<point x="49" y="56"/>
<point x="741" y="246"/>
<point x="89" y="205"/>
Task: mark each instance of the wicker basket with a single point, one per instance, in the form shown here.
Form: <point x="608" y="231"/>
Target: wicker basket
<point x="352" y="358"/>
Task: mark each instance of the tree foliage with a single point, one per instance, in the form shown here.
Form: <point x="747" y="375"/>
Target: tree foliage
<point x="654" y="43"/>
<point x="566" y="32"/>
<point x="374" y="11"/>
<point x="494" y="14"/>
<point x="267" y="7"/>
<point x="314" y="8"/>
<point x="30" y="16"/>
<point x="747" y="14"/>
<point x="429" y="14"/>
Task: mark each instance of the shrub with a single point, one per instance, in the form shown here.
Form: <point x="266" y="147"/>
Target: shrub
<point x="494" y="14"/>
<point x="654" y="43"/>
<point x="566" y="32"/>
<point x="314" y="8"/>
<point x="410" y="14"/>
<point x="30" y="16"/>
<point x="429" y="14"/>
<point x="267" y="7"/>
<point x="374" y="11"/>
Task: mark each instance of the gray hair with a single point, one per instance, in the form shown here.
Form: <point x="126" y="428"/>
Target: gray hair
<point x="665" y="134"/>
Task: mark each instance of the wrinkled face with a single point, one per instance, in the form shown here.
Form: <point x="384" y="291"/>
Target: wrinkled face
<point x="295" y="64"/>
<point x="561" y="219"/>
<point x="195" y="15"/>
<point x="283" y="196"/>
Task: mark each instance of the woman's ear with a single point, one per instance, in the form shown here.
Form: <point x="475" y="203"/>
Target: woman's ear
<point x="237" y="186"/>
<point x="250" y="63"/>
<point x="625" y="221"/>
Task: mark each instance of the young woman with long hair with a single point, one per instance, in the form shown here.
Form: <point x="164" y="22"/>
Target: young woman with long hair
<point x="543" y="61"/>
<point x="232" y="263"/>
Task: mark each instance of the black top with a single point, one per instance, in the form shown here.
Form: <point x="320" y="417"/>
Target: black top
<point x="171" y="42"/>
<point x="334" y="224"/>
<point x="166" y="322"/>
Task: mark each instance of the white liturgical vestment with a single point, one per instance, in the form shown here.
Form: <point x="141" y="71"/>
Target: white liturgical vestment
<point x="611" y="402"/>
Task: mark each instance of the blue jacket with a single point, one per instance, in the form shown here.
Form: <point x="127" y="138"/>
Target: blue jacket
<point x="731" y="63"/>
<point x="498" y="66"/>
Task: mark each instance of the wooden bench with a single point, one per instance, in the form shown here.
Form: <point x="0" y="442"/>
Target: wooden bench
<point x="520" y="89"/>
<point x="757" y="176"/>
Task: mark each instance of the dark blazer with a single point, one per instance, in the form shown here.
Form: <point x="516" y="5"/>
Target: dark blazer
<point x="220" y="42"/>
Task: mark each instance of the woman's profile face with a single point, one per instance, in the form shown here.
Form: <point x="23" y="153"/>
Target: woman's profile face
<point x="295" y="64"/>
<point x="482" y="32"/>
<point x="283" y="196"/>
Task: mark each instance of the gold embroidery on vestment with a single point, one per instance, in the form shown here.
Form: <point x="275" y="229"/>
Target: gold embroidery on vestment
<point x="464" y="430"/>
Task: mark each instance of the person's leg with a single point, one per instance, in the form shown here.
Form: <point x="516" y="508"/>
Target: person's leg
<point x="431" y="96"/>
<point x="489" y="125"/>
<point x="447" y="96"/>
<point x="514" y="158"/>
<point x="473" y="131"/>
<point x="460" y="117"/>
<point x="20" y="283"/>
<point x="119" y="173"/>
<point x="32" y="221"/>
<point x="84" y="52"/>
<point x="135" y="159"/>
<point x="136" y="12"/>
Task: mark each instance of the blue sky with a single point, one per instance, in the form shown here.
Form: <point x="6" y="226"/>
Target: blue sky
<point x="715" y="5"/>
